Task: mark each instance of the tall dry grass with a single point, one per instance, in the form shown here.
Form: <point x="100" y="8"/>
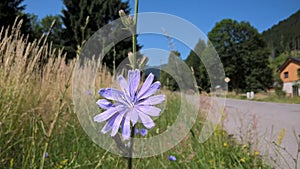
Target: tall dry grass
<point x="35" y="90"/>
<point x="32" y="73"/>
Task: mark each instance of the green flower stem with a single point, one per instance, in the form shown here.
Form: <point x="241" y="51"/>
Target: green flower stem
<point x="134" y="66"/>
<point x="131" y="147"/>
<point x="43" y="155"/>
<point x="134" y="50"/>
<point x="136" y="4"/>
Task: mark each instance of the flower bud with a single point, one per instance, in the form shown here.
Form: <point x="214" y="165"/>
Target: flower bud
<point x="122" y="13"/>
<point x="143" y="61"/>
<point x="126" y="20"/>
<point x="131" y="58"/>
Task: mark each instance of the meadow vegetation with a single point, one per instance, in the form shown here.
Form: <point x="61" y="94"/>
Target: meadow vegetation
<point x="39" y="128"/>
<point x="266" y="97"/>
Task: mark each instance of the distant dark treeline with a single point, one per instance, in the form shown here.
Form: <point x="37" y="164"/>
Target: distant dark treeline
<point x="284" y="36"/>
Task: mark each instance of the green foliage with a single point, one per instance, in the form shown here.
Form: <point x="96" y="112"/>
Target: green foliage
<point x="99" y="14"/>
<point x="278" y="90"/>
<point x="275" y="64"/>
<point x="195" y="63"/>
<point x="243" y="53"/>
<point x="9" y="10"/>
<point x="51" y="26"/>
<point x="35" y="25"/>
<point x="167" y="76"/>
<point x="284" y="36"/>
<point x="277" y="97"/>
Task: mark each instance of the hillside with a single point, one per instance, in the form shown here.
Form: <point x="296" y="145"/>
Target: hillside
<point x="284" y="36"/>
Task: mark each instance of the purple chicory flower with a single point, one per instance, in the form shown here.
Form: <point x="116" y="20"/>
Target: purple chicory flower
<point x="143" y="132"/>
<point x="88" y="92"/>
<point x="46" y="155"/>
<point x="130" y="105"/>
<point x="136" y="131"/>
<point x="172" y="158"/>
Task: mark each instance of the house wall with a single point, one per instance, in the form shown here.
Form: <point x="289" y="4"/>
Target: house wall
<point x="292" y="69"/>
<point x="288" y="88"/>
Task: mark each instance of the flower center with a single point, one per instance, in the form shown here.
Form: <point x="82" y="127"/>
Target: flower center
<point x="131" y="105"/>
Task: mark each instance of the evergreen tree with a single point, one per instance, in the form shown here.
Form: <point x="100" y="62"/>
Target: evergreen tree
<point x="194" y="62"/>
<point x="100" y="13"/>
<point x="167" y="77"/>
<point x="244" y="55"/>
<point x="35" y="25"/>
<point x="51" y="26"/>
<point x="176" y="75"/>
<point x="9" y="10"/>
<point x="284" y="36"/>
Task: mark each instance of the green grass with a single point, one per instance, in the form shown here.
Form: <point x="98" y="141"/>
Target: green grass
<point x="265" y="97"/>
<point x="22" y="140"/>
<point x="278" y="99"/>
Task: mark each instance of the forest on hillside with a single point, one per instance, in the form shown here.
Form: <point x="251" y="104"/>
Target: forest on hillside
<point x="284" y="36"/>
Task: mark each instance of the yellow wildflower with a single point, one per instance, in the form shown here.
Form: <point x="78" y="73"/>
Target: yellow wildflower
<point x="225" y="144"/>
<point x="64" y="162"/>
<point x="242" y="160"/>
<point x="281" y="136"/>
<point x="11" y="162"/>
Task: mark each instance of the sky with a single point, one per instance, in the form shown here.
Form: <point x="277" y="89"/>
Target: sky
<point x="203" y="14"/>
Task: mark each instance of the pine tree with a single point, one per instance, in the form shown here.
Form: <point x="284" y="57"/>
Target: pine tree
<point x="167" y="77"/>
<point x="176" y="75"/>
<point x="194" y="62"/>
<point x="9" y="10"/>
<point x="51" y="25"/>
<point x="100" y="13"/>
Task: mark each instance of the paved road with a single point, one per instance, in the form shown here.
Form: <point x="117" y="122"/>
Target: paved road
<point x="267" y="119"/>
